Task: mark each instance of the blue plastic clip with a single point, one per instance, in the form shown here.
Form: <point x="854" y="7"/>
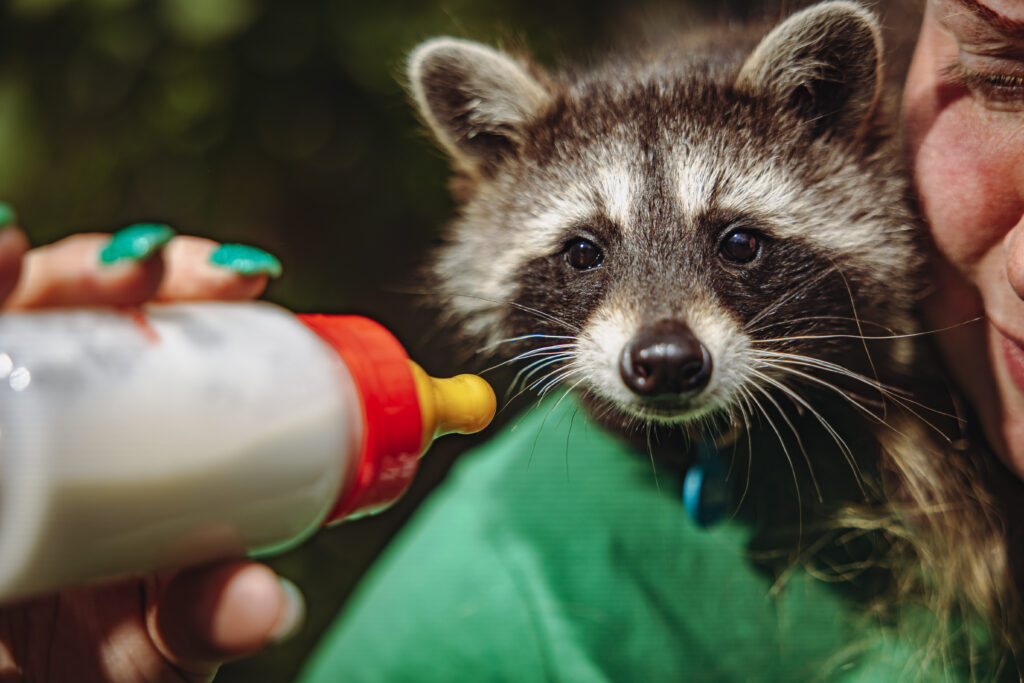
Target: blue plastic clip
<point x="705" y="487"/>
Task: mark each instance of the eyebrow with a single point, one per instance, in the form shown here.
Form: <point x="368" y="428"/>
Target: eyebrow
<point x="1004" y="25"/>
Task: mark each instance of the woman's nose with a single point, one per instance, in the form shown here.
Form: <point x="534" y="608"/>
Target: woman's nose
<point x="1014" y="243"/>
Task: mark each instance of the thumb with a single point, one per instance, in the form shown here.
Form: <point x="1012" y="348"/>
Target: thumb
<point x="202" y="617"/>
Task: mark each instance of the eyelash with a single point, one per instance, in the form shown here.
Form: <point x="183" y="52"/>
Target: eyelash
<point x="991" y="87"/>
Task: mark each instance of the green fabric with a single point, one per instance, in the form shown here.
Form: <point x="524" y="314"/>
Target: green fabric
<point x="555" y="554"/>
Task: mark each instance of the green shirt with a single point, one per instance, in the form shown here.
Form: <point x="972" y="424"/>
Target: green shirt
<point x="557" y="554"/>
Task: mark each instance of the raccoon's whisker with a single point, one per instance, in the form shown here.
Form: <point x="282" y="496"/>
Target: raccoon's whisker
<point x="541" y="364"/>
<point x="799" y="400"/>
<point x="539" y="358"/>
<point x="543" y="422"/>
<point x="818" y="318"/>
<point x="527" y="309"/>
<point x="782" y="366"/>
<point x="532" y="353"/>
<point x="778" y="303"/>
<point x="536" y="366"/>
<point x="528" y="377"/>
<point x="511" y="394"/>
<point x="856" y="400"/>
<point x="558" y="379"/>
<point x="605" y="412"/>
<point x="844" y="448"/>
<point x="747" y="411"/>
<point x="785" y="452"/>
<point x="568" y="437"/>
<point x="907" y="335"/>
<point x="898" y="396"/>
<point x="517" y="395"/>
<point x="838" y="335"/>
<point x="733" y="420"/>
<point x="552" y="383"/>
<point x="553" y="377"/>
<point x="906" y="406"/>
<point x="650" y="453"/>
<point x="523" y="337"/>
<point x="860" y="329"/>
<point x="718" y="422"/>
<point x="810" y="361"/>
<point x="567" y="392"/>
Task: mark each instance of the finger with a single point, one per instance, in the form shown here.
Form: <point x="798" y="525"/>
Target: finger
<point x="13" y="245"/>
<point x="209" y="615"/>
<point x="199" y="268"/>
<point x="93" y="269"/>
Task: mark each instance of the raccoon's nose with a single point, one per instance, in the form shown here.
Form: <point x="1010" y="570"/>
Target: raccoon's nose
<point x="665" y="361"/>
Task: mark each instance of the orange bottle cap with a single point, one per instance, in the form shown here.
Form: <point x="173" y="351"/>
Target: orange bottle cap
<point x="392" y="425"/>
<point x="403" y="410"/>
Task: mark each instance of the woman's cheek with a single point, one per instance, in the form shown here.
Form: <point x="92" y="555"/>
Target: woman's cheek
<point x="961" y="184"/>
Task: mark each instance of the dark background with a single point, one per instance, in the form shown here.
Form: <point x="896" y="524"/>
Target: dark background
<point x="276" y="123"/>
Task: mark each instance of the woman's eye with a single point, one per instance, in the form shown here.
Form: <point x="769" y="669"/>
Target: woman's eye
<point x="998" y="89"/>
<point x="583" y="254"/>
<point x="740" y="246"/>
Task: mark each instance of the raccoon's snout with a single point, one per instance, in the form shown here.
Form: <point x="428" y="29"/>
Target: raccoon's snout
<point x="665" y="361"/>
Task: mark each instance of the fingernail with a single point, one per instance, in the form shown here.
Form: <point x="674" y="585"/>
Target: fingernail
<point x="7" y="216"/>
<point x="293" y="614"/>
<point x="246" y="260"/>
<point x="136" y="242"/>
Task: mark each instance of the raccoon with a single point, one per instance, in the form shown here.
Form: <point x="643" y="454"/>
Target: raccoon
<point x="719" y="243"/>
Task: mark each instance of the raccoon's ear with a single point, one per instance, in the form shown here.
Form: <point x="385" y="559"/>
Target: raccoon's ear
<point x="475" y="99"/>
<point x="825" y="61"/>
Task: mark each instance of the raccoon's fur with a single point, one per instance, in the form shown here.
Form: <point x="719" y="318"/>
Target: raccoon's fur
<point x="720" y="241"/>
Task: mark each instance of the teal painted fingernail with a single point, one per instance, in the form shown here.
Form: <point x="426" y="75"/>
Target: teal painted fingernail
<point x="7" y="216"/>
<point x="292" y="616"/>
<point x="136" y="242"/>
<point x="246" y="260"/>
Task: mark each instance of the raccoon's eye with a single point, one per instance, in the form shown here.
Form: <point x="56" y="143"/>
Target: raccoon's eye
<point x="583" y="254"/>
<point x="740" y="246"/>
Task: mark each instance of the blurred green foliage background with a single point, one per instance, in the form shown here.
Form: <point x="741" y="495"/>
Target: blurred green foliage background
<point x="280" y="123"/>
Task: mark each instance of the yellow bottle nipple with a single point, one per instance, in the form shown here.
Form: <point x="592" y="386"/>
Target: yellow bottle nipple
<point x="464" y="404"/>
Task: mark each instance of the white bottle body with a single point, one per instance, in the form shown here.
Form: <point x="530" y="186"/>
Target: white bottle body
<point x="188" y="433"/>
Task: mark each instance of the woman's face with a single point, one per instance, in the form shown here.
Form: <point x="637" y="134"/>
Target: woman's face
<point x="964" y="116"/>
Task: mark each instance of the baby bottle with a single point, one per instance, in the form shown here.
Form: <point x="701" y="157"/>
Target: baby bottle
<point x="178" y="434"/>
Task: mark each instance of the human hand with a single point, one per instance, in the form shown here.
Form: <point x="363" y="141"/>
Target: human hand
<point x="141" y="263"/>
<point x="173" y="626"/>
